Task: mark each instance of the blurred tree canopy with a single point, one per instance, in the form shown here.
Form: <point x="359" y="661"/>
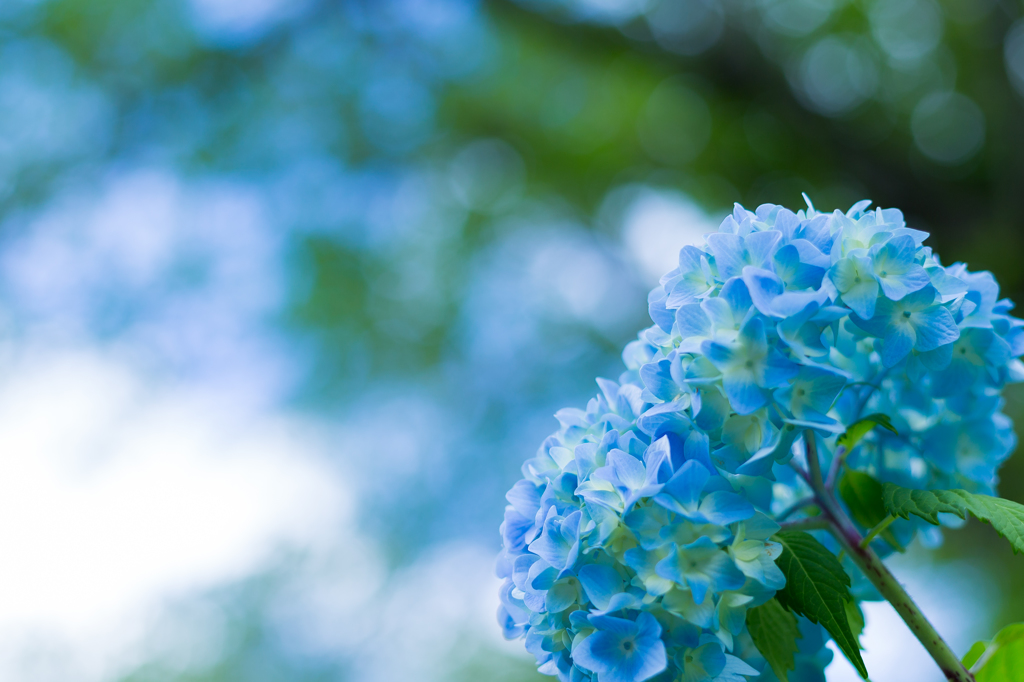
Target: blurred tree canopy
<point x="450" y="180"/>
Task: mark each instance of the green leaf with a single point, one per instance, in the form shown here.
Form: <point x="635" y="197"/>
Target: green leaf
<point x="1005" y="516"/>
<point x="775" y="631"/>
<point x="862" y="493"/>
<point x="817" y="587"/>
<point x="1003" y="658"/>
<point x="975" y="652"/>
<point x="862" y="427"/>
<point x="856" y="619"/>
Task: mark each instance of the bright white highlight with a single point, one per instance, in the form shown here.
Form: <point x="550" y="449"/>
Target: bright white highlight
<point x="962" y="616"/>
<point x="116" y="495"/>
<point x="657" y="224"/>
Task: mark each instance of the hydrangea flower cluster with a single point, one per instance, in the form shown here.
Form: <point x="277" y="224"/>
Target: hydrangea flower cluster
<point x="639" y="536"/>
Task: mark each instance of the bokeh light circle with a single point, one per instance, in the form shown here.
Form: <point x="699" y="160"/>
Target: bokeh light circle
<point x="675" y="125"/>
<point x="837" y="74"/>
<point x="1013" y="51"/>
<point x="906" y="29"/>
<point x="948" y="127"/>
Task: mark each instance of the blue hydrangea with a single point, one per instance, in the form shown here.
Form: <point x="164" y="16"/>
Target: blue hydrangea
<point x="640" y="534"/>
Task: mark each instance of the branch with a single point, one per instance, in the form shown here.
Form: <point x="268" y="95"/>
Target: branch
<point x="833" y="471"/>
<point x="885" y="523"/>
<point x="795" y="507"/>
<point x="813" y="463"/>
<point x="880" y="576"/>
<point x="810" y="523"/>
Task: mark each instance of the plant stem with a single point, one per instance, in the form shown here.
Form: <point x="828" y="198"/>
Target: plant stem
<point x="833" y="470"/>
<point x="878" y="530"/>
<point x="874" y="385"/>
<point x="812" y="523"/>
<point x="795" y="507"/>
<point x="853" y="544"/>
<point x="813" y="463"/>
<point x="893" y="592"/>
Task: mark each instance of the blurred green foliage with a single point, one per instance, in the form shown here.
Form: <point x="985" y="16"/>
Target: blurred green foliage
<point x="586" y="104"/>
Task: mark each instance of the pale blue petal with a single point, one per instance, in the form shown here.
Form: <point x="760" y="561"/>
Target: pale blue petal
<point x="763" y="286"/>
<point x="778" y="369"/>
<point x="947" y="285"/>
<point x="935" y="327"/>
<point x="524" y="497"/>
<point x="692" y="321"/>
<point x="657" y="378"/>
<point x="693" y="283"/>
<point x="713" y="409"/>
<point x="729" y="252"/>
<point x="615" y="626"/>
<point x="622" y="600"/>
<point x="561" y="596"/>
<point x="846" y="274"/>
<point x="594" y="652"/>
<point x="648" y="627"/>
<point x="551" y="546"/>
<point x="744" y="394"/>
<point x="680" y="601"/>
<point x="735" y="670"/>
<point x="796" y="272"/>
<point x="761" y="246"/>
<point x="895" y="288"/>
<point x="937" y="359"/>
<point x="665" y="418"/>
<point x="697" y="448"/>
<point x="628" y="470"/>
<point x="737" y="296"/>
<point x="683" y="490"/>
<point x="752" y="336"/>
<point x="918" y="300"/>
<point x="759" y="464"/>
<point x="813" y="391"/>
<point x="601" y="583"/>
<point x="856" y="283"/>
<point x="797" y="302"/>
<point x="721" y="570"/>
<point x="862" y="298"/>
<point x="662" y="316"/>
<point x="897" y="343"/>
<point x="894" y="266"/>
<point x="515" y="530"/>
<point x="658" y="460"/>
<point x="720" y="313"/>
<point x="723" y="508"/>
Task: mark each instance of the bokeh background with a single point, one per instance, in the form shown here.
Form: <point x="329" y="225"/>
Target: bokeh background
<point x="290" y="288"/>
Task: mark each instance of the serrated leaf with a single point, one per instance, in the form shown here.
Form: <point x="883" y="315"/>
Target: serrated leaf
<point x="862" y="427"/>
<point x="856" y="619"/>
<point x="1003" y="659"/>
<point x="818" y="588"/>
<point x="775" y="631"/>
<point x="1005" y="516"/>
<point x="862" y="493"/>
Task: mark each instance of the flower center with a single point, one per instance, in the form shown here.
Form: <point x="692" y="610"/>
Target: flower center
<point x="627" y="645"/>
<point x="906" y="314"/>
<point x="750" y="364"/>
<point x="884" y="273"/>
